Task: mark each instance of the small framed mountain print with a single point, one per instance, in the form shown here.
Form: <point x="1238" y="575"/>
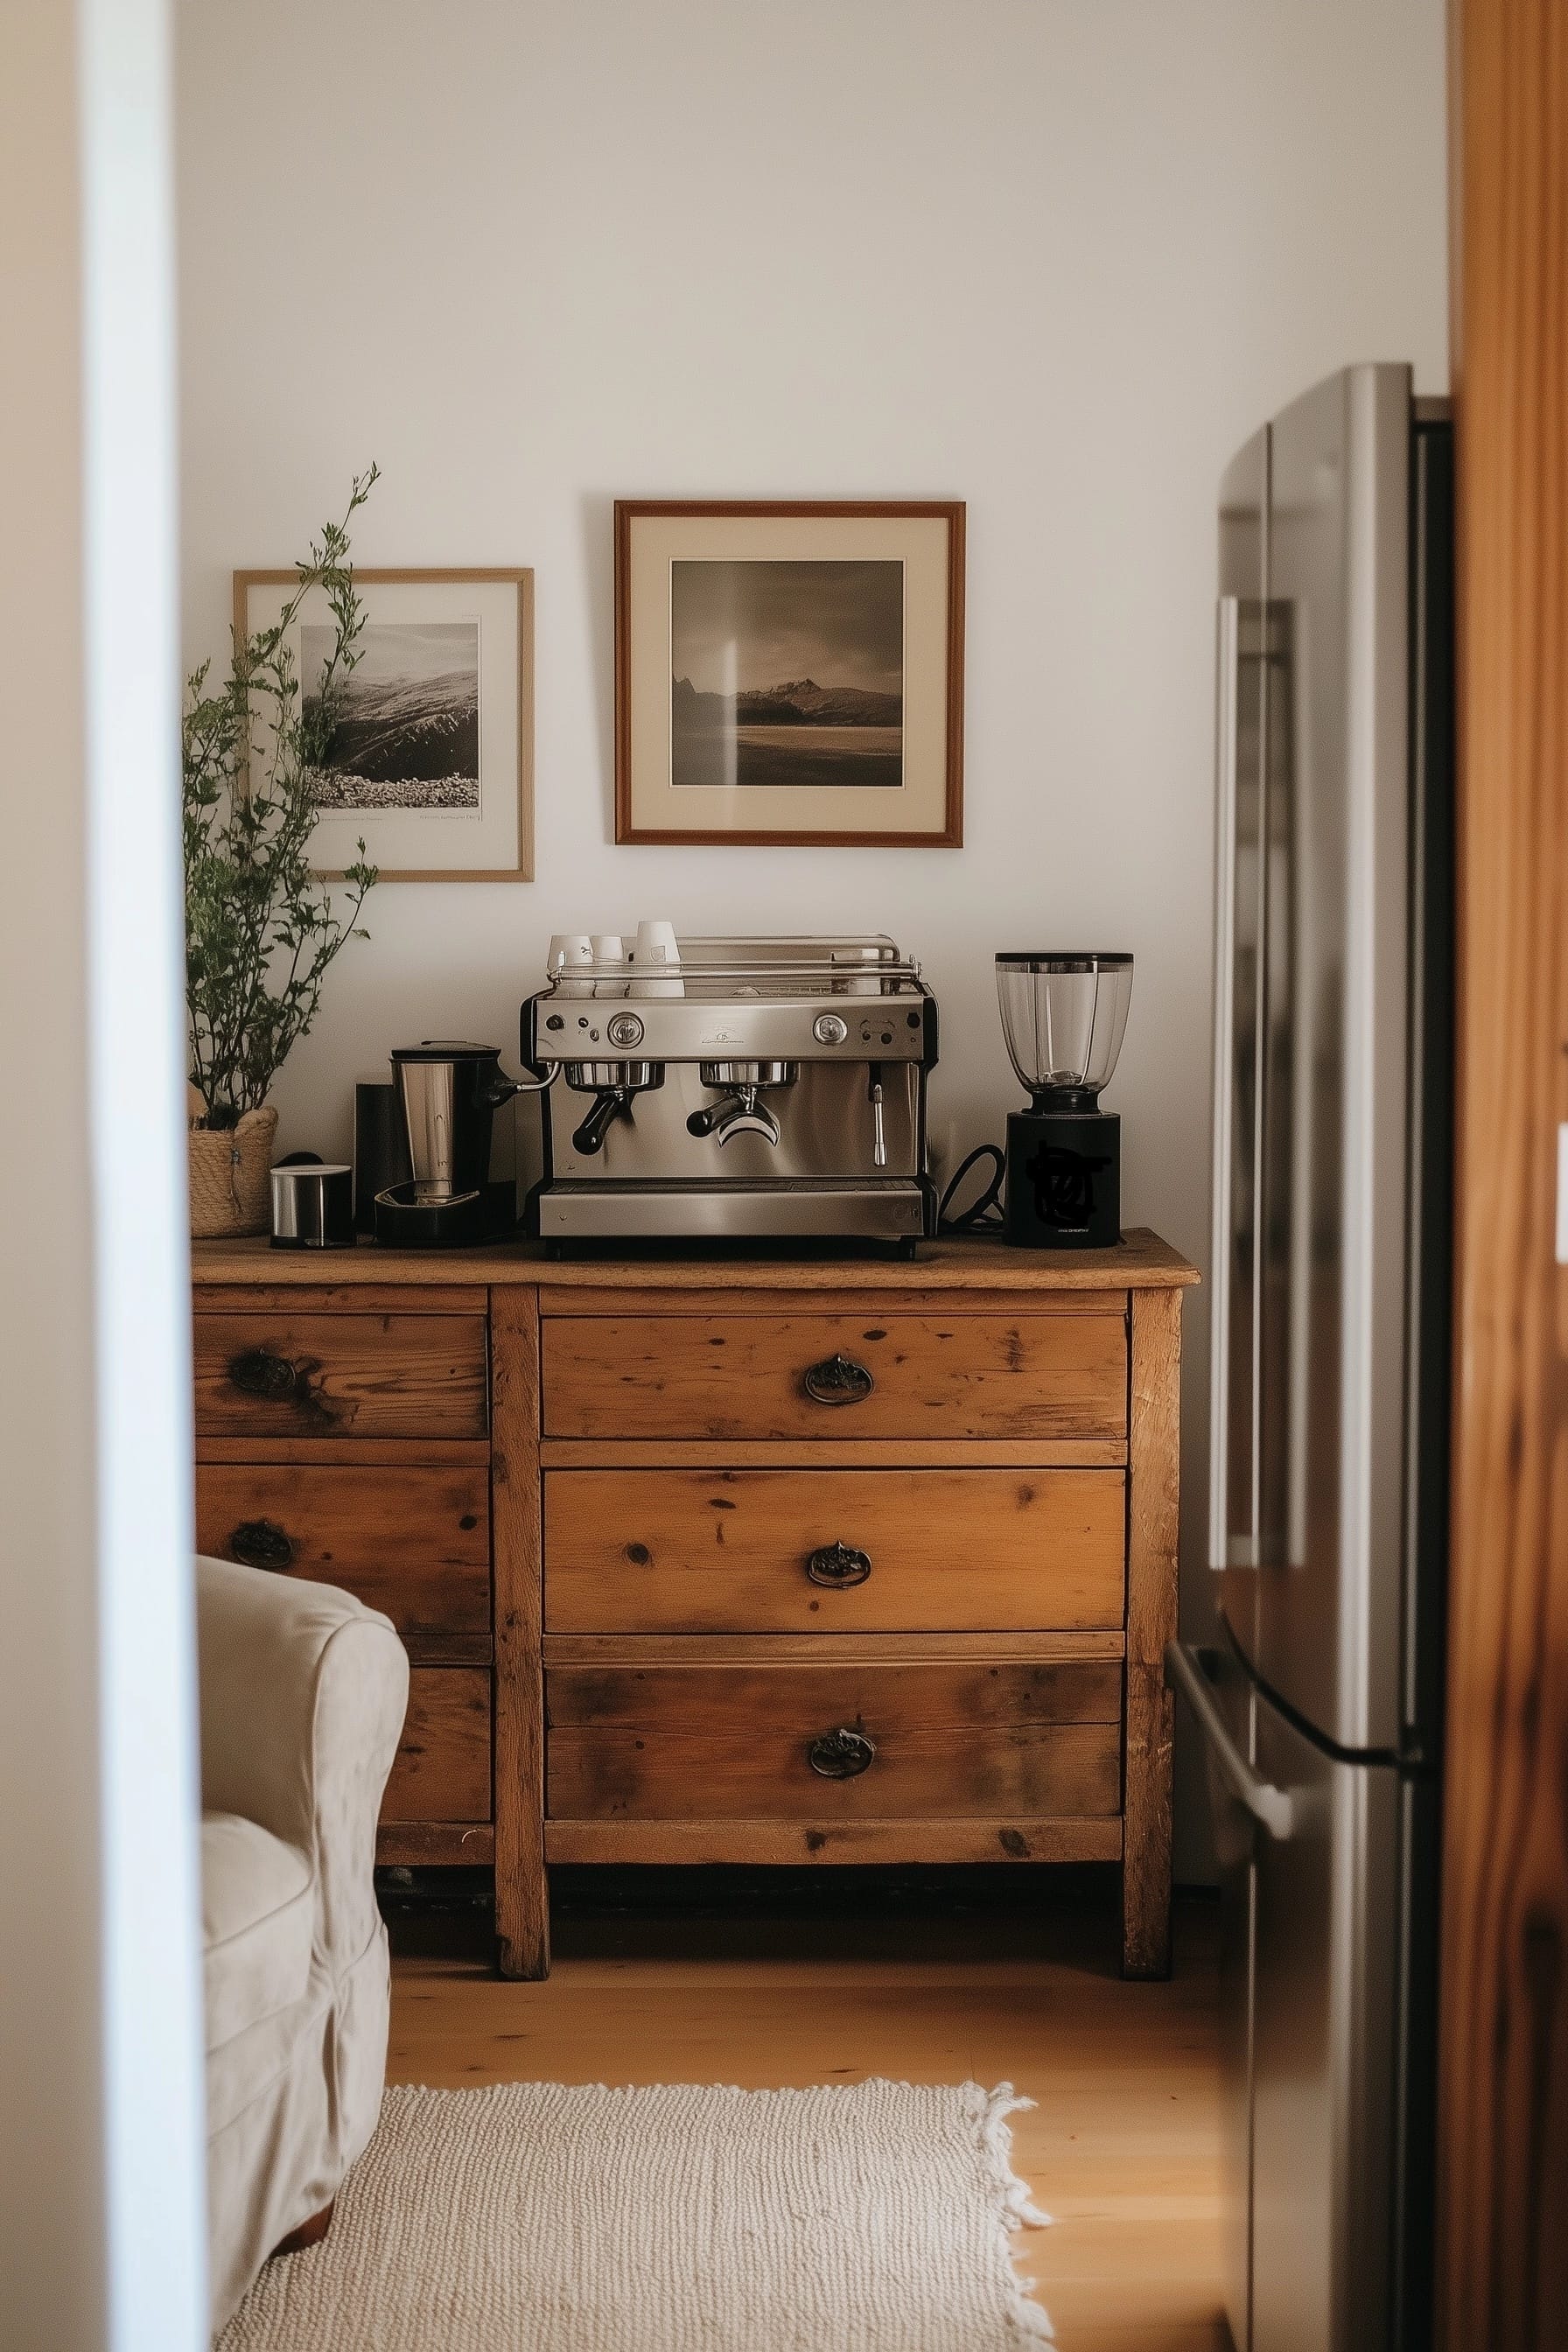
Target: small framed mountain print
<point x="431" y="756"/>
<point x="790" y="674"/>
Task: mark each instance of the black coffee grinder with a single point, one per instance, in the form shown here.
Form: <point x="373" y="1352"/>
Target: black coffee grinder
<point x="1063" y="1016"/>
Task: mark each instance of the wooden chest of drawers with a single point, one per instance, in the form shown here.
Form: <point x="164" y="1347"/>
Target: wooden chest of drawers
<point x="343" y="1434"/>
<point x="802" y="1563"/>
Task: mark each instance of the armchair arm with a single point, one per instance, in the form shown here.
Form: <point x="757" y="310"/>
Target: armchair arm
<point x="302" y="1697"/>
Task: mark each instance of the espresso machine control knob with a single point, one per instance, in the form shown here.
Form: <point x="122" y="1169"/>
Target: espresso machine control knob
<point x="829" y="1030"/>
<point x="625" y="1030"/>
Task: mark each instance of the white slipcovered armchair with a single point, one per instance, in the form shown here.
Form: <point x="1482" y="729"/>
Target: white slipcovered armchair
<point x="302" y="1697"/>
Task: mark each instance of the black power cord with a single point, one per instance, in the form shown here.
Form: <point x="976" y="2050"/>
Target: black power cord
<point x="984" y="1214"/>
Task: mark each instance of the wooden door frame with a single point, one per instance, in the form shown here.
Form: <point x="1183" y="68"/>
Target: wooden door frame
<point x="1502" y="2198"/>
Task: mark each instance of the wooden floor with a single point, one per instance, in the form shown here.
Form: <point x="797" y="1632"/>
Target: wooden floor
<point x="1122" y="2147"/>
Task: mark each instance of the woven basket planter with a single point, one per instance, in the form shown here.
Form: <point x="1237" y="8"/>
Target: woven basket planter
<point x="229" y="1170"/>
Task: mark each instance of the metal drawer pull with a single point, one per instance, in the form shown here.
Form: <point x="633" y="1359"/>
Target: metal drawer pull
<point x="1274" y="1808"/>
<point x="262" y="1543"/>
<point x="840" y="1755"/>
<point x="260" y="1373"/>
<point x="838" y="1566"/>
<point x="838" y="1379"/>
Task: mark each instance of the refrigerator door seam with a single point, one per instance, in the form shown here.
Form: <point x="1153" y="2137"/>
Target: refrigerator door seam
<point x="1226" y="724"/>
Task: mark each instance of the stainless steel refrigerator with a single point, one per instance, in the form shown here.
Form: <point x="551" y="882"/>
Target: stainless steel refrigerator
<point x="1320" y="1707"/>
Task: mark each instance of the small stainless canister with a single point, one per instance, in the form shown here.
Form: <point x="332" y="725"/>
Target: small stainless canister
<point x="313" y="1205"/>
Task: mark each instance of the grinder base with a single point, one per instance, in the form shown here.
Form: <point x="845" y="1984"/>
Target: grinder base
<point x="1064" y="1180"/>
<point x="404" y="1221"/>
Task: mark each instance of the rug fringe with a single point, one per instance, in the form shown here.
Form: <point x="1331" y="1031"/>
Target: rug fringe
<point x="1017" y="2209"/>
<point x="1001" y="2102"/>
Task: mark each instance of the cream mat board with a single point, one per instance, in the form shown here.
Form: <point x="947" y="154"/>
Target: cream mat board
<point x="538" y="2216"/>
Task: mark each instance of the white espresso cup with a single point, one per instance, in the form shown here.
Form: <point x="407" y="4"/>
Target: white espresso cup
<point x="569" y="952"/>
<point x="609" y="949"/>
<point x="656" y="960"/>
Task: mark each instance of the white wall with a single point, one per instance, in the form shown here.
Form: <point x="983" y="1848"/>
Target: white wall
<point x="51" y="2135"/>
<point x="1053" y="256"/>
<point x="102" y="2137"/>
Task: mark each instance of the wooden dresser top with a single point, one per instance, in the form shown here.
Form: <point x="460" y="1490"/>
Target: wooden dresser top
<point x="1142" y="1262"/>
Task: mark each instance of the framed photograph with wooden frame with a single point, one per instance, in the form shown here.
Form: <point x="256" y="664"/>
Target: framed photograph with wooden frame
<point x="433" y="749"/>
<point x="790" y="673"/>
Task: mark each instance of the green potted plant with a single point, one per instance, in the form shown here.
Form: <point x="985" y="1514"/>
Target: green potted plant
<point x="260" y="928"/>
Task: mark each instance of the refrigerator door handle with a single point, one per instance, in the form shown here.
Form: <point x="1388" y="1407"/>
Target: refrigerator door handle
<point x="1273" y="1809"/>
<point x="1226" y="728"/>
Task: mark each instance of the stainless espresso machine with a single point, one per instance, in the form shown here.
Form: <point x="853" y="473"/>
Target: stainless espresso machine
<point x="759" y="1089"/>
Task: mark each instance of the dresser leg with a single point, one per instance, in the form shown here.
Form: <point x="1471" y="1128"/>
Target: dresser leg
<point x="522" y="1927"/>
<point x="1153" y="1504"/>
<point x="1146" y="1855"/>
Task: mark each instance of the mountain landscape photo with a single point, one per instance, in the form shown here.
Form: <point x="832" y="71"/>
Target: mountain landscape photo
<point x="407" y="734"/>
<point x="787" y="674"/>
<point x="796" y="733"/>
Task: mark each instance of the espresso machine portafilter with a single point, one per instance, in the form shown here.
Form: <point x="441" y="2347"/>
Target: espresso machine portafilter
<point x="613" y="1085"/>
<point x="742" y="1111"/>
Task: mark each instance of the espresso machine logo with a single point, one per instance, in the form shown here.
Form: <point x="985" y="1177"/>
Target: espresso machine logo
<point x="1063" y="1183"/>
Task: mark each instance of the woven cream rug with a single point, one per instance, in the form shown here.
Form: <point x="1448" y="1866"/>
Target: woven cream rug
<point x="875" y="2217"/>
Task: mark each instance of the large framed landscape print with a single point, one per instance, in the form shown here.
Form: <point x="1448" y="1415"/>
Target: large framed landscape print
<point x="430" y="760"/>
<point x="789" y="673"/>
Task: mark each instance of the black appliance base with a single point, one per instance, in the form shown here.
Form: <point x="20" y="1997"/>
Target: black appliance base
<point x="404" y="1222"/>
<point x="1064" y="1180"/>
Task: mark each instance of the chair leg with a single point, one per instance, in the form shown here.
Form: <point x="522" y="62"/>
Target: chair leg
<point x="309" y="2233"/>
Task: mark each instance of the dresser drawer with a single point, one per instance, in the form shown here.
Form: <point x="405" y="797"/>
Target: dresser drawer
<point x="304" y="1375"/>
<point x="947" y="1739"/>
<point x="442" y="1771"/>
<point x="835" y="1551"/>
<point x="997" y="1375"/>
<point x="414" y="1541"/>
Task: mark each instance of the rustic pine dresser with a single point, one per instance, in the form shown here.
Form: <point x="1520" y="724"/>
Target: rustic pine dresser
<point x="807" y="1561"/>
